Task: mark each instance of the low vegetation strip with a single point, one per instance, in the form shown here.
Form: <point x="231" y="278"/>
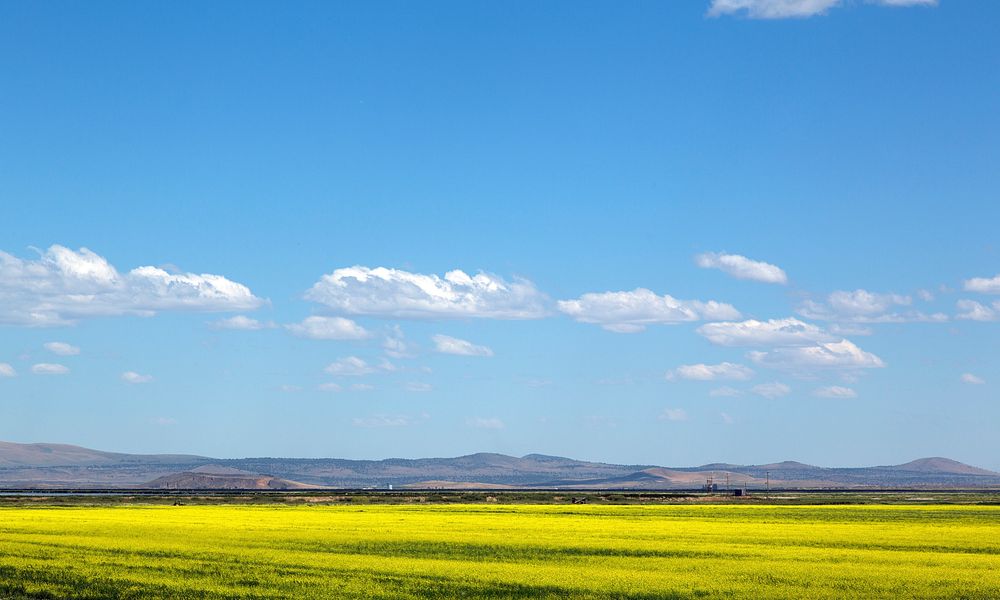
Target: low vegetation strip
<point x="521" y="551"/>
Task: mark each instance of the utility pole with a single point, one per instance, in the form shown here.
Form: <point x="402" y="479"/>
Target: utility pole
<point x="767" y="483"/>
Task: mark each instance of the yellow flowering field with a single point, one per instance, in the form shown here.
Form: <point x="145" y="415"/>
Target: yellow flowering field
<point x="500" y="551"/>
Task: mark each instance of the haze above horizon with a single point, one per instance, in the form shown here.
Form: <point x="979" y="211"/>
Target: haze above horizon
<point x="741" y="230"/>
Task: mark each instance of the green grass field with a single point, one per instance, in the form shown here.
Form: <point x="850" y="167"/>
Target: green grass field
<point x="484" y="551"/>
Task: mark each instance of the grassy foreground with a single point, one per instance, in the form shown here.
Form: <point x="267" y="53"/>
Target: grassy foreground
<point x="522" y="551"/>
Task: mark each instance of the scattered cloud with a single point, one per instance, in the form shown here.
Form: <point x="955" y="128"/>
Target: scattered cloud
<point x="165" y="421"/>
<point x="703" y="372"/>
<point x="485" y="423"/>
<point x="793" y="9"/>
<point x="970" y="310"/>
<point x="241" y="323"/>
<point x="380" y="421"/>
<point x="972" y="379"/>
<point x="449" y="345"/>
<point x="835" y="391"/>
<point x="418" y="386"/>
<point x="673" y="414"/>
<point x="349" y="366"/>
<point x="289" y="388"/>
<point x="63" y="285"/>
<point x="135" y="378"/>
<point x="383" y="292"/>
<point x="862" y="306"/>
<point x="328" y="328"/>
<point x="982" y="285"/>
<point x="329" y="387"/>
<point x="742" y="267"/>
<point x="631" y="312"/>
<point x="771" y="390"/>
<point x="724" y="392"/>
<point x="362" y="387"/>
<point x="49" y="369"/>
<point x="925" y="295"/>
<point x="395" y="344"/>
<point x="775" y="332"/>
<point x="727" y="418"/>
<point x="6" y="370"/>
<point x="62" y="348"/>
<point x="834" y="355"/>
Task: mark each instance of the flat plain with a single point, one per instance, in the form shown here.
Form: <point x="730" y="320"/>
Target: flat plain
<point x="499" y="551"/>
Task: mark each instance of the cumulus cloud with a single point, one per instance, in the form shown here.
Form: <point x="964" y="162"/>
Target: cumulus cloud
<point x="49" y="369"/>
<point x="383" y="292"/>
<point x="792" y="9"/>
<point x="62" y="348"/>
<point x="329" y="387"/>
<point x="972" y="379"/>
<point x="6" y="370"/>
<point x="970" y="310"/>
<point x="349" y="366"/>
<point x="703" y="372"/>
<point x="742" y="267"/>
<point x="835" y="391"/>
<point x="135" y="378"/>
<point x="485" y="423"/>
<point x="775" y="332"/>
<point x="418" y="386"/>
<point x="241" y="323"/>
<point x="631" y="312"/>
<point x="673" y="414"/>
<point x="449" y="345"/>
<point x="727" y="418"/>
<point x="328" y="328"/>
<point x="63" y="285"/>
<point x="862" y="306"/>
<point x="771" y="390"/>
<point x="982" y="285"/>
<point x="362" y="387"/>
<point x="834" y="355"/>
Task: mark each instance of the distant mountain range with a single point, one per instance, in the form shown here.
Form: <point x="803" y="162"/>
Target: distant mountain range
<point x="64" y="466"/>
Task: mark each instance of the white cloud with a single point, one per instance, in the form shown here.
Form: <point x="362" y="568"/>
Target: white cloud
<point x="727" y="418"/>
<point x="971" y="310"/>
<point x="418" y="386"/>
<point x="133" y="377"/>
<point x="834" y="355"/>
<point x="925" y="295"/>
<point x="862" y="306"/>
<point x="6" y="370"/>
<point x="786" y="9"/>
<point x="329" y="387"/>
<point x="62" y="348"/>
<point x="328" y="328"/>
<point x="350" y="366"/>
<point x="631" y="312"/>
<point x="742" y="267"/>
<point x="972" y="379"/>
<point x="395" y="344"/>
<point x="485" y="423"/>
<point x="165" y="421"/>
<point x="835" y="391"/>
<point x="449" y="345"/>
<point x="378" y="421"/>
<point x="982" y="285"/>
<point x="49" y="369"/>
<point x="64" y="285"/>
<point x="362" y="387"/>
<point x="289" y="388"/>
<point x="673" y="414"/>
<point x="724" y="392"/>
<point x="771" y="390"/>
<point x="241" y="323"/>
<point x="383" y="292"/>
<point x="775" y="332"/>
<point x="703" y="372"/>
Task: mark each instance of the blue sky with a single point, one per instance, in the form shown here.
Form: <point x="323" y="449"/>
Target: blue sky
<point x="676" y="232"/>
